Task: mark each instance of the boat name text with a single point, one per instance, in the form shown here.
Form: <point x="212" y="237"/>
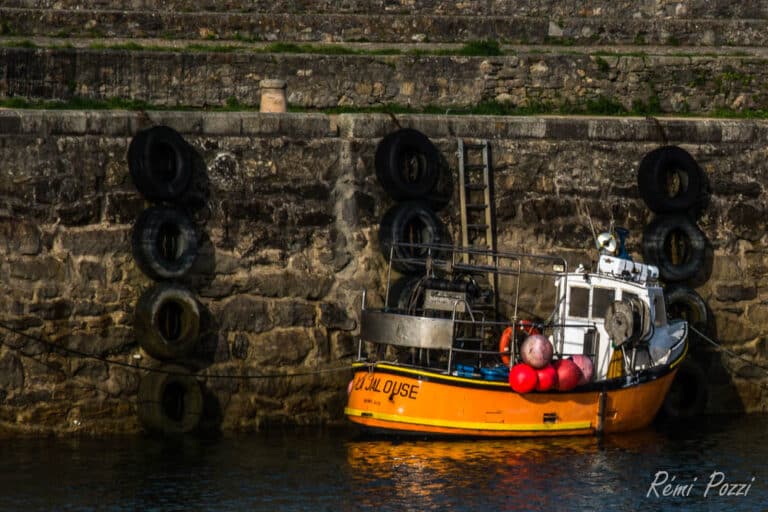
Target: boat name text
<point x="387" y="386"/>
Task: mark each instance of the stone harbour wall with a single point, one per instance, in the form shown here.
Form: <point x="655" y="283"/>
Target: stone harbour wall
<point x="554" y="8"/>
<point x="287" y="211"/>
<point x="306" y="26"/>
<point x="666" y="83"/>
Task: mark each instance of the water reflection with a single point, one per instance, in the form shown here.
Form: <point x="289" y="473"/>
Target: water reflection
<point x="311" y="470"/>
<point x="577" y="473"/>
<point x="426" y="475"/>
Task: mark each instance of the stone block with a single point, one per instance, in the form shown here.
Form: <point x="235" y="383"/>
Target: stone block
<point x="10" y="122"/>
<point x="239" y="346"/>
<point x="215" y="123"/>
<point x="99" y="342"/>
<point x="691" y="132"/>
<point x="113" y="124"/>
<point x="67" y="122"/>
<point x="748" y="220"/>
<point x="292" y="283"/>
<point x="80" y="213"/>
<point x="281" y="346"/>
<point x="293" y="313"/>
<point x="20" y="236"/>
<point x="92" y="271"/>
<point x="343" y="345"/>
<point x="243" y="313"/>
<point x="89" y="369"/>
<point x="305" y="126"/>
<point x="186" y="123"/>
<point x="333" y="316"/>
<point x="36" y="268"/>
<point x="123" y="207"/>
<point x="82" y="308"/>
<point x="735" y="292"/>
<point x="11" y="372"/>
<point x="51" y="310"/>
<point x="563" y="129"/>
<point x="95" y="241"/>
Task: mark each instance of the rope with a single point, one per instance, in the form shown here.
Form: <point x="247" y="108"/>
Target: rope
<point x="731" y="353"/>
<point x="52" y="347"/>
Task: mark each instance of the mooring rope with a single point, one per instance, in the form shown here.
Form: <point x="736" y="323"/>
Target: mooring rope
<point x="731" y="353"/>
<point x="136" y="366"/>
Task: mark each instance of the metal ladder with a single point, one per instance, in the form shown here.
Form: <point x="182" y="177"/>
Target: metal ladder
<point x="478" y="226"/>
<point x="478" y="229"/>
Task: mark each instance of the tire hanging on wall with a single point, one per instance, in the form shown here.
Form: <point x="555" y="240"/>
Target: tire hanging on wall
<point x="164" y="242"/>
<point x="403" y="293"/>
<point x="687" y="396"/>
<point x="685" y="304"/>
<point x="160" y="163"/>
<point x="676" y="245"/>
<point x="410" y="222"/>
<point x="170" y="402"/>
<point x="670" y="181"/>
<point x="407" y="165"/>
<point x="167" y="321"/>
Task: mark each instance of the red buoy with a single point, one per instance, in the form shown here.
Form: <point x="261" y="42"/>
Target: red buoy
<point x="536" y="350"/>
<point x="585" y="365"/>
<point x="568" y="374"/>
<point x="522" y="378"/>
<point x="547" y="378"/>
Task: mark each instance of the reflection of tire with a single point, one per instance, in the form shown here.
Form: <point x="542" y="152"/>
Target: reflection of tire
<point x="167" y="321"/>
<point x="164" y="242"/>
<point x="670" y="180"/>
<point x="160" y="163"/>
<point x="410" y="224"/>
<point x="170" y="403"/>
<point x="685" y="304"/>
<point x="687" y="396"/>
<point x="676" y="245"/>
<point x="407" y="164"/>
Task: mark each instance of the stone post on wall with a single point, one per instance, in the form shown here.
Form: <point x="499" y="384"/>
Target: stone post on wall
<point x="272" y="95"/>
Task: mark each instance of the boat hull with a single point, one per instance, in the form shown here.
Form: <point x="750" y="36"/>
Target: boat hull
<point x="394" y="399"/>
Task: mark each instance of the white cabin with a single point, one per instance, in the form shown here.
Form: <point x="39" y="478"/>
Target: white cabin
<point x="586" y="296"/>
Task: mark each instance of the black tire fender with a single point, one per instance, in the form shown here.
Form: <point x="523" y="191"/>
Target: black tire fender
<point x="407" y="164"/>
<point x="676" y="245"/>
<point x="670" y="181"/>
<point x="687" y="396"/>
<point x="684" y="303"/>
<point x="160" y="163"/>
<point x="401" y="293"/>
<point x="410" y="222"/>
<point x="167" y="321"/>
<point x="170" y="401"/>
<point x="164" y="242"/>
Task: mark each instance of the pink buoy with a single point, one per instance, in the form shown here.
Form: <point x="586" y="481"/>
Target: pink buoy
<point x="585" y="365"/>
<point x="536" y="351"/>
<point x="547" y="378"/>
<point x="522" y="378"/>
<point x="568" y="374"/>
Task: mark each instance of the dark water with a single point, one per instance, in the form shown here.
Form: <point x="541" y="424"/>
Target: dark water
<point x="338" y="470"/>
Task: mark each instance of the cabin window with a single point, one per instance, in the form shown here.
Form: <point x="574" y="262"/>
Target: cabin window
<point x="629" y="295"/>
<point x="601" y="299"/>
<point x="578" y="303"/>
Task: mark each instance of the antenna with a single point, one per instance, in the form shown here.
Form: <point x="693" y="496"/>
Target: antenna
<point x="592" y="227"/>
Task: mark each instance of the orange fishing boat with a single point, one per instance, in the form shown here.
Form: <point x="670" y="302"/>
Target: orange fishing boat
<point x="448" y="352"/>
